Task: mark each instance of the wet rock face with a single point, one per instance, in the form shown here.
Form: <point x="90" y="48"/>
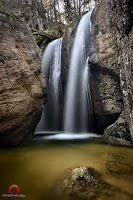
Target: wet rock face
<point x="106" y="96"/>
<point x="81" y="174"/>
<point x="121" y="15"/>
<point x="66" y="51"/>
<point x="111" y="64"/>
<point x="118" y="133"/>
<point x="21" y="82"/>
<point x="106" y="92"/>
<point x="83" y="183"/>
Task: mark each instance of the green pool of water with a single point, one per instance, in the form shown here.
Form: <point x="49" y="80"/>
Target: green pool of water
<point x="36" y="167"/>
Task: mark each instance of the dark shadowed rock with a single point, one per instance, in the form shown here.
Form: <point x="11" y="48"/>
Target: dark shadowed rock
<point x="118" y="133"/>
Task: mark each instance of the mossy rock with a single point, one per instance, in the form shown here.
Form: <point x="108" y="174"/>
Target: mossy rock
<point x="56" y="30"/>
<point x="83" y="183"/>
<point x="39" y="40"/>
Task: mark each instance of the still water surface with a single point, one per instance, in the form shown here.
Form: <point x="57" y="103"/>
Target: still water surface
<point x="36" y="167"/>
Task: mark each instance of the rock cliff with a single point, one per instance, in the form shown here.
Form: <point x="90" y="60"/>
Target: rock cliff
<point x="121" y="14"/>
<point x="111" y="66"/>
<point x="106" y="91"/>
<point x="30" y="11"/>
<point x="111" y="69"/>
<point x="110" y="63"/>
<point x="21" y="83"/>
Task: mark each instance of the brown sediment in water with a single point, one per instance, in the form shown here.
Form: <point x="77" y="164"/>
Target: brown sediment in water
<point x="36" y="168"/>
<point x="84" y="183"/>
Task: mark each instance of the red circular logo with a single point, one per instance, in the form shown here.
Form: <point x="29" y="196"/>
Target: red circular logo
<point x="12" y="188"/>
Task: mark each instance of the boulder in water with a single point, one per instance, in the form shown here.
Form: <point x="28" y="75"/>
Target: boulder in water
<point x="83" y="183"/>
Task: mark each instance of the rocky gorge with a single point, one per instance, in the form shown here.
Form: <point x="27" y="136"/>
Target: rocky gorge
<point x="23" y="88"/>
<point x="66" y="99"/>
<point x="111" y="77"/>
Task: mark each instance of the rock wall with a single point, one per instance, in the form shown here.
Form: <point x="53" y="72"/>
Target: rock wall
<point x="31" y="12"/>
<point x="111" y="66"/>
<point x="21" y="83"/>
<point x="121" y="14"/>
<point x="106" y="91"/>
<point x="66" y="51"/>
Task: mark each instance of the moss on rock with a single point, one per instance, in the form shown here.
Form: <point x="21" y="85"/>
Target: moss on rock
<point x="83" y="183"/>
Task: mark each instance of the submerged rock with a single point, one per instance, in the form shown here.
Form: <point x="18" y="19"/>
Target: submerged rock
<point x="80" y="173"/>
<point x="83" y="183"/>
<point x="21" y="82"/>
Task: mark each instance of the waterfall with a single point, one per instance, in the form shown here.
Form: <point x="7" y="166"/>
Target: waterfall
<point x="77" y="115"/>
<point x="78" y="105"/>
<point x="51" y="68"/>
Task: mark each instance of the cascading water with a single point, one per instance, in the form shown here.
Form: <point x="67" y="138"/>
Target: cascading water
<point x="51" y="68"/>
<point x="77" y="113"/>
<point x="78" y="105"/>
